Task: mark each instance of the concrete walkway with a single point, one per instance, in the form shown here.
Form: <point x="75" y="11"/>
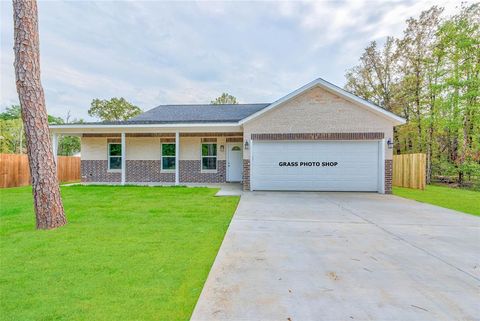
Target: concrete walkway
<point x="344" y="256"/>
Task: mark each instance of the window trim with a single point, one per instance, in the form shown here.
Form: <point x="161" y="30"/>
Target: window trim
<point x="161" y="157"/>
<point x="108" y="158"/>
<point x="202" y="170"/>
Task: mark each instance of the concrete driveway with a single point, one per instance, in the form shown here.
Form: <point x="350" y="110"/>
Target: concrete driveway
<point x="344" y="256"/>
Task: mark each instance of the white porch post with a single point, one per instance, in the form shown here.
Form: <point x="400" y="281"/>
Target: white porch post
<point x="124" y="153"/>
<point x="55" y="147"/>
<point x="177" y="158"/>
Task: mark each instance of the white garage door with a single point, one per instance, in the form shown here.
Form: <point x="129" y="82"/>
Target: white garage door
<point x="315" y="165"/>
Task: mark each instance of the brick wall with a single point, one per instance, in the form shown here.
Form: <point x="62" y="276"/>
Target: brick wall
<point x="319" y="136"/>
<point x="234" y="139"/>
<point x="140" y="171"/>
<point x="388" y="176"/>
<point x="97" y="171"/>
<point x="147" y="171"/>
<point x="190" y="172"/>
<point x="246" y="174"/>
<point x="212" y="134"/>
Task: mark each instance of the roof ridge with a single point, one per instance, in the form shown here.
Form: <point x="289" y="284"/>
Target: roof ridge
<point x="189" y="105"/>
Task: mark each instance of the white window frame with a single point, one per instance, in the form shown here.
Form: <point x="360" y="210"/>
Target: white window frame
<point x="201" y="158"/>
<point x="108" y="159"/>
<point x="161" y="157"/>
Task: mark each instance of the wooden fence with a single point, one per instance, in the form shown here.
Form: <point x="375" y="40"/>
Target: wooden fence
<point x="14" y="170"/>
<point x="409" y="170"/>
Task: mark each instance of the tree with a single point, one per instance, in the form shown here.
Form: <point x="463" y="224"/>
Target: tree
<point x="225" y="98"/>
<point x="68" y="145"/>
<point x="48" y="204"/>
<point x="12" y="135"/>
<point x="115" y="109"/>
<point x="431" y="76"/>
<point x="459" y="42"/>
<point x="418" y="74"/>
<point x="12" y="112"/>
<point x="11" y="130"/>
<point x="374" y="78"/>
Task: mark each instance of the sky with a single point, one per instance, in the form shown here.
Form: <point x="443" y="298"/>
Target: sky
<point x="157" y="52"/>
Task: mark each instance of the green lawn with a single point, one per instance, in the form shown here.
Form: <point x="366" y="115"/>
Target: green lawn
<point x="453" y="198"/>
<point x="127" y="253"/>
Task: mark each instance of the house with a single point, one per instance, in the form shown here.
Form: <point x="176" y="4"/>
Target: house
<point x="317" y="138"/>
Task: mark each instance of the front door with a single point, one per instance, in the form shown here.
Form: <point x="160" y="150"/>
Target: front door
<point x="234" y="162"/>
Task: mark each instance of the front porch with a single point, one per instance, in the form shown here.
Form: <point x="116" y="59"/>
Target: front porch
<point x="161" y="158"/>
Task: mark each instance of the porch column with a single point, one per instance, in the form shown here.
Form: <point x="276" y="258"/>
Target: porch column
<point x="55" y="147"/>
<point x="124" y="153"/>
<point x="177" y="158"/>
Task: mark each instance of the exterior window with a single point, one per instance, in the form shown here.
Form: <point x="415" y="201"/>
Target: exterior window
<point x="114" y="156"/>
<point x="168" y="157"/>
<point x="209" y="156"/>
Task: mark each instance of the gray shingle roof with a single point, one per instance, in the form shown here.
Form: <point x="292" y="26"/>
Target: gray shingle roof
<point x="197" y="113"/>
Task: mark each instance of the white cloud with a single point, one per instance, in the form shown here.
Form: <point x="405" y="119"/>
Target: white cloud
<point x="189" y="52"/>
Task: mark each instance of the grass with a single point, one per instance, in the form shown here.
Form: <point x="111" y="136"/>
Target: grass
<point x="127" y="253"/>
<point x="456" y="199"/>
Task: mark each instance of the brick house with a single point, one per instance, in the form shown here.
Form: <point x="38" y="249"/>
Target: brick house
<point x="317" y="138"/>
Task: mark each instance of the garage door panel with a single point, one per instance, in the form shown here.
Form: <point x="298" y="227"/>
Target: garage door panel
<point x="356" y="169"/>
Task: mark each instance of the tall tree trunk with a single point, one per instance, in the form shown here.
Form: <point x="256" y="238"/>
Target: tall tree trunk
<point x="46" y="192"/>
<point x="429" y="143"/>
<point x="428" y="174"/>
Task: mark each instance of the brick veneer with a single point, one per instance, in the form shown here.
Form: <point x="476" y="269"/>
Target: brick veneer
<point x="388" y="176"/>
<point x="147" y="171"/>
<point x="318" y="136"/>
<point x="140" y="171"/>
<point x="211" y="134"/>
<point x="97" y="171"/>
<point x="234" y="139"/>
<point x="190" y="172"/>
<point x="246" y="174"/>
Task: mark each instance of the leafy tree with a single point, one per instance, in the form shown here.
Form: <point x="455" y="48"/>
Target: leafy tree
<point x="52" y="120"/>
<point x="431" y="77"/>
<point x="374" y="77"/>
<point x="115" y="109"/>
<point x="12" y="112"/>
<point x="459" y="43"/>
<point x="415" y="93"/>
<point x="12" y="134"/>
<point x="68" y="145"/>
<point x="225" y="98"/>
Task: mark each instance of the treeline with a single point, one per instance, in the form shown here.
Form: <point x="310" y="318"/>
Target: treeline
<point x="430" y="76"/>
<point x="12" y="135"/>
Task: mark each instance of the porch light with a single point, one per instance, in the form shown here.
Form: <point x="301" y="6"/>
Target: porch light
<point x="246" y="145"/>
<point x="390" y="143"/>
<point x="222" y="148"/>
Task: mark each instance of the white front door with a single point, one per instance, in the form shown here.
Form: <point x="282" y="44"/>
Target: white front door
<point x="234" y="162"/>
